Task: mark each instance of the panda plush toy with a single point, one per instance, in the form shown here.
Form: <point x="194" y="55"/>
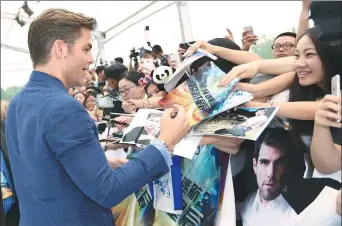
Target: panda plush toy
<point x="162" y="74"/>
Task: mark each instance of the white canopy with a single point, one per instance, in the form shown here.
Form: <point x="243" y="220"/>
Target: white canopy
<point x="208" y="20"/>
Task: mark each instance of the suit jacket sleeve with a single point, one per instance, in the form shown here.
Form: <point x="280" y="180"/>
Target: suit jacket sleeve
<point x="72" y="138"/>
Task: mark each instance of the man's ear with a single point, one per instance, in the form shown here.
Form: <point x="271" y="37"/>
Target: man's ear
<point x="254" y="165"/>
<point x="60" y="49"/>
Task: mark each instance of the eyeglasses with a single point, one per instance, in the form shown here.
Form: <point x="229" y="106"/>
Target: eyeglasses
<point x="286" y="46"/>
<point x="126" y="90"/>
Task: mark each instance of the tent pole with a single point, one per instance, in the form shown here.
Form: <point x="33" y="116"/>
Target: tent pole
<point x="184" y="21"/>
<point x="154" y="12"/>
<point x="129" y="17"/>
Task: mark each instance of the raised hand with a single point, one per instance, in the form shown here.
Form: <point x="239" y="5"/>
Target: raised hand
<point x="241" y="71"/>
<point x="197" y="45"/>
<point x="230" y="35"/>
<point x="328" y="113"/>
<point x="128" y="106"/>
<point x="248" y="40"/>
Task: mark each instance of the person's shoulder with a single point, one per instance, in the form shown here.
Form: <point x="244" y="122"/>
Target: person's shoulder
<point x="64" y="105"/>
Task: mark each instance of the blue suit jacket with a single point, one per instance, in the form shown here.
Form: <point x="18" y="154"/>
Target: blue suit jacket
<point x="60" y="172"/>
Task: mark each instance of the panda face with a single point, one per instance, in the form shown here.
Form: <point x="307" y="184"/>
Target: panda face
<point x="162" y="74"/>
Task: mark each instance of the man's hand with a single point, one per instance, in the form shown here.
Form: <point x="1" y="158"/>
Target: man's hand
<point x="329" y="111"/>
<point x="241" y="71"/>
<point x="128" y="106"/>
<point x="116" y="162"/>
<point x="172" y="130"/>
<point x="197" y="45"/>
<point x="248" y="40"/>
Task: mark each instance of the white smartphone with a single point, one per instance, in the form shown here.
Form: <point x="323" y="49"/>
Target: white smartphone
<point x="336" y="85"/>
<point x="175" y="57"/>
<point x="250" y="29"/>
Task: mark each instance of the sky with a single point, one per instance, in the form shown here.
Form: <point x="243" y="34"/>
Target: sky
<point x="209" y="19"/>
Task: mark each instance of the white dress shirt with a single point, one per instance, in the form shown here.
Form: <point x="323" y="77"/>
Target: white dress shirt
<point x="276" y="213"/>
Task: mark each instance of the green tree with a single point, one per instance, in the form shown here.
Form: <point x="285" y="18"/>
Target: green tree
<point x="263" y="47"/>
<point x="10" y="92"/>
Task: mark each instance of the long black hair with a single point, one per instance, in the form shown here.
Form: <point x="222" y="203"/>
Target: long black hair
<point x="331" y="60"/>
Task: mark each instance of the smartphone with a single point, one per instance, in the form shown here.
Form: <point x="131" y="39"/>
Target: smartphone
<point x="175" y="57"/>
<point x="336" y="87"/>
<point x="250" y="29"/>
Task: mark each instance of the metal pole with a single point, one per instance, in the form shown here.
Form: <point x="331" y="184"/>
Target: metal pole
<point x="184" y="21"/>
<point x="129" y="17"/>
<point x="154" y="12"/>
<point x="11" y="16"/>
<point x="14" y="48"/>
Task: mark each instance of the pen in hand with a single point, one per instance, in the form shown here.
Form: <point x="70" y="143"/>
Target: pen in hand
<point x="174" y="113"/>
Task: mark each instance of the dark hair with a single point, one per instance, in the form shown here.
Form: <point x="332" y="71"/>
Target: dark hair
<point x="133" y="76"/>
<point x="119" y="59"/>
<point x="158" y="48"/>
<point x="95" y="89"/>
<point x="291" y="34"/>
<point x="80" y="93"/>
<point x="99" y="69"/>
<point x="151" y="82"/>
<point x="148" y="52"/>
<point x="223" y="64"/>
<point x="55" y="24"/>
<point x="330" y="58"/>
<point x="281" y="139"/>
<point x="115" y="71"/>
<point x="89" y="94"/>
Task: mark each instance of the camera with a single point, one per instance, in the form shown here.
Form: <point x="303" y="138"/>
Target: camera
<point x="134" y="54"/>
<point x="108" y="104"/>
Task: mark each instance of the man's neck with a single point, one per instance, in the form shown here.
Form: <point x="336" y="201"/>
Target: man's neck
<point x="48" y="69"/>
<point x="263" y="201"/>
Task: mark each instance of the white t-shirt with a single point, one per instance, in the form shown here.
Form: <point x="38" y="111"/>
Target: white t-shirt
<point x="276" y="213"/>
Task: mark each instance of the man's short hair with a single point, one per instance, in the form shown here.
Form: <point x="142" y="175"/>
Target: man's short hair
<point x="119" y="59"/>
<point x="99" y="69"/>
<point x="158" y="48"/>
<point x="115" y="71"/>
<point x="291" y="34"/>
<point x="55" y="24"/>
<point x="281" y="139"/>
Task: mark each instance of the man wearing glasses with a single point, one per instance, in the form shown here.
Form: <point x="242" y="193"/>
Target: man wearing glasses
<point x="284" y="45"/>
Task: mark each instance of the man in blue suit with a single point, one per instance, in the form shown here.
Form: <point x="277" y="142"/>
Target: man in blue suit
<point x="60" y="172"/>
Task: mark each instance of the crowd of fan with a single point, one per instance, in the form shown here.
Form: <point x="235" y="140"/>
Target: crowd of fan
<point x="298" y="81"/>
